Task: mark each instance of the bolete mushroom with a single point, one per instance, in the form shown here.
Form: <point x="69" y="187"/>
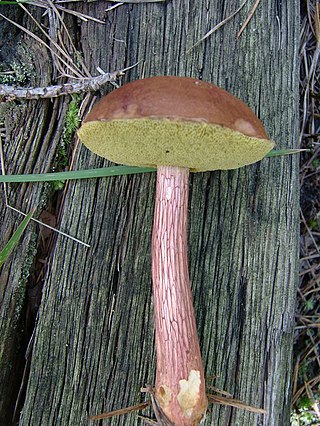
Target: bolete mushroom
<point x="177" y="125"/>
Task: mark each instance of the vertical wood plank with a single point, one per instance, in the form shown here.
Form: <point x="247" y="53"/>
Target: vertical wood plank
<point x="94" y="340"/>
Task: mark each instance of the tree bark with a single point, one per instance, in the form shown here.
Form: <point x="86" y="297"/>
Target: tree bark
<point x="93" y="346"/>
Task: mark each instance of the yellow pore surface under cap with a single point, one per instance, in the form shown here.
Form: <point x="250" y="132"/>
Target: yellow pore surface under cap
<point x="150" y="142"/>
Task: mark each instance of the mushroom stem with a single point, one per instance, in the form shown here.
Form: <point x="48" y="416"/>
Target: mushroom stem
<point x="180" y="386"/>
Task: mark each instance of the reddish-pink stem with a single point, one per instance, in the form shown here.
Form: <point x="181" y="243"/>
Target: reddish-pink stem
<point x="180" y="386"/>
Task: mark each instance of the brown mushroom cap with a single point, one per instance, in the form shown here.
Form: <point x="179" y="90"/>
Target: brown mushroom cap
<point x="175" y="121"/>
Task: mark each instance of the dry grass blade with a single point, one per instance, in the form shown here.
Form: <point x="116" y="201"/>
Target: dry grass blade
<point x="120" y="412"/>
<point x="39" y="40"/>
<point x="147" y="421"/>
<point x="114" y="6"/>
<point x="64" y="234"/>
<point x="234" y="403"/>
<point x="310" y="53"/>
<point x="59" y="47"/>
<point x="161" y="418"/>
<point x="252" y="12"/>
<point x="221" y="392"/>
<point x="309" y="231"/>
<point x="312" y="398"/>
<point x="64" y="28"/>
<point x="217" y="27"/>
<point x="308" y="326"/>
<point x="306" y="377"/>
<point x="295" y="376"/>
<point x="57" y="4"/>
<point x="84" y="17"/>
<point x="303" y="389"/>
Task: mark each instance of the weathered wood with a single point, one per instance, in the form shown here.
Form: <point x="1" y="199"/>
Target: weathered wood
<point x="94" y="345"/>
<point x="31" y="133"/>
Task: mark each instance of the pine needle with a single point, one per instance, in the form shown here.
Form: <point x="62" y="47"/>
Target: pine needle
<point x="217" y="27"/>
<point x="248" y="18"/>
<point x="120" y="412"/>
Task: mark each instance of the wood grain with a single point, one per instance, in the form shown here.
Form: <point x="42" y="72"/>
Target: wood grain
<point x="30" y="137"/>
<point x="94" y="344"/>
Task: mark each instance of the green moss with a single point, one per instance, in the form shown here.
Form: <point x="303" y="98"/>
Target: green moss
<point x="305" y="403"/>
<point x="304" y="419"/>
<point x="313" y="224"/>
<point x="71" y="125"/>
<point x="57" y="185"/>
<point x="18" y="72"/>
<point x="309" y="304"/>
<point x="72" y="119"/>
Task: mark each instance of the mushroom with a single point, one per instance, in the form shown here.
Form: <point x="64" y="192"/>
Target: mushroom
<point x="176" y="124"/>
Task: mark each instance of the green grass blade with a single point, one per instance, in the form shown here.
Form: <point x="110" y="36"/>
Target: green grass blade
<point x="106" y="171"/>
<point x="12" y="2"/>
<point x="280" y="152"/>
<point x="76" y="174"/>
<point x="7" y="250"/>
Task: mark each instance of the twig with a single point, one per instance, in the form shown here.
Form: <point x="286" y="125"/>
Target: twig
<point x="82" y="85"/>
